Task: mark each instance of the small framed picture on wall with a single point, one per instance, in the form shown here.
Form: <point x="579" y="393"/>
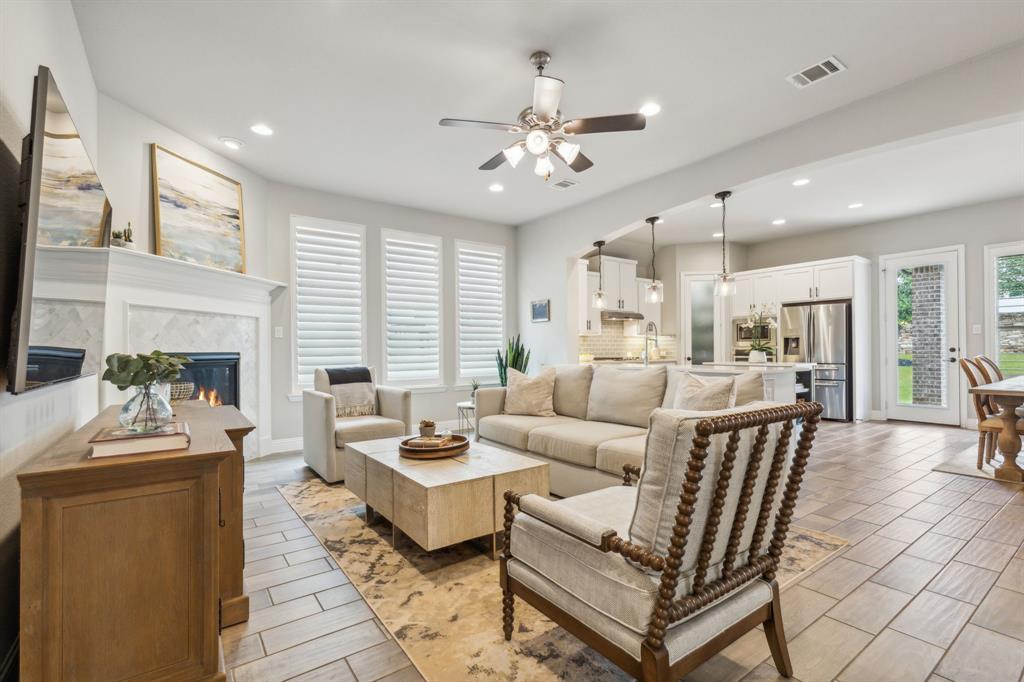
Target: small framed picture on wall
<point x="540" y="311"/>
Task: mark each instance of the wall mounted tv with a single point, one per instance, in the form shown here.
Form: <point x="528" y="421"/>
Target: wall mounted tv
<point x="57" y="325"/>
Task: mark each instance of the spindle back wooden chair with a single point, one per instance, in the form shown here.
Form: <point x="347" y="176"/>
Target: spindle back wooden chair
<point x="989" y="425"/>
<point x="736" y="571"/>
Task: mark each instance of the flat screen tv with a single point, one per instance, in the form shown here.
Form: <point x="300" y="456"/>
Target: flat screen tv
<point x="56" y="332"/>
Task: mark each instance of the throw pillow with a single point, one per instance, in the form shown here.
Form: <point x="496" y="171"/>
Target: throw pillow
<point x="625" y="396"/>
<point x="352" y="388"/>
<point x="702" y="394"/>
<point x="749" y="388"/>
<point x="533" y="396"/>
<point x="572" y="388"/>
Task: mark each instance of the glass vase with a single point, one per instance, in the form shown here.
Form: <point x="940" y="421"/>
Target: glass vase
<point x="147" y="410"/>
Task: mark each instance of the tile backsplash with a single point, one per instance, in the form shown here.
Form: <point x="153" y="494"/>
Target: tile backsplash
<point x="613" y="343"/>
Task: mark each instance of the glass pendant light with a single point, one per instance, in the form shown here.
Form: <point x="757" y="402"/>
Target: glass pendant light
<point x="598" y="301"/>
<point x="725" y="284"/>
<point x="653" y="292"/>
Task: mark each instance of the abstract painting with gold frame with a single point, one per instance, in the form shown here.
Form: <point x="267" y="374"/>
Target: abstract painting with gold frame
<point x="197" y="212"/>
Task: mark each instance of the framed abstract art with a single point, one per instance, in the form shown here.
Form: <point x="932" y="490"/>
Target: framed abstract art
<point x="197" y="212"/>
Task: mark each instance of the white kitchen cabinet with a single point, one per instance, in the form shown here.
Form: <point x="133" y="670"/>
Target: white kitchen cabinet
<point x="591" y="322"/>
<point x="834" y="280"/>
<point x="650" y="311"/>
<point x="766" y="291"/>
<point x="627" y="287"/>
<point x="619" y="282"/>
<point x="743" y="298"/>
<point x="795" y="284"/>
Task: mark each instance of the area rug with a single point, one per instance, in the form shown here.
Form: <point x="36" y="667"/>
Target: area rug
<point x="444" y="607"/>
<point x="965" y="463"/>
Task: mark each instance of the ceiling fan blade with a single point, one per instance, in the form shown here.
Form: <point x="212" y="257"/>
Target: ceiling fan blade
<point x="466" y="123"/>
<point x="605" y="124"/>
<point x="547" y="93"/>
<point x="579" y="164"/>
<point x="494" y="161"/>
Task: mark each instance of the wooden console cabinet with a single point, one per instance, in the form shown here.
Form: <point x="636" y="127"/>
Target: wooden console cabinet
<point x="121" y="569"/>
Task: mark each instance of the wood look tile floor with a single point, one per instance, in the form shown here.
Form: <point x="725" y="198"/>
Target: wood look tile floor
<point x="930" y="588"/>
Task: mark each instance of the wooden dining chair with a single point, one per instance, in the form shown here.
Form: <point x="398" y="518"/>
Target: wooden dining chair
<point x="990" y="370"/>
<point x="989" y="425"/>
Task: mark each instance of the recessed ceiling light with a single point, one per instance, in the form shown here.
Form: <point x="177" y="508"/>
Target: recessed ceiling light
<point x="717" y="204"/>
<point x="497" y="188"/>
<point x="650" y="109"/>
<point x="716" y="235"/>
<point x="801" y="182"/>
<point x="262" y="129"/>
<point x="856" y="204"/>
<point x="779" y="221"/>
<point x="232" y="143"/>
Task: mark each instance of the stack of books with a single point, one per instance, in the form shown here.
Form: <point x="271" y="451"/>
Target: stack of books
<point x="428" y="442"/>
<point x="120" y="440"/>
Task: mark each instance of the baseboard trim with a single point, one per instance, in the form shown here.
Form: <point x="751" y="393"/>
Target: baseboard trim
<point x="877" y="416"/>
<point x="283" y="445"/>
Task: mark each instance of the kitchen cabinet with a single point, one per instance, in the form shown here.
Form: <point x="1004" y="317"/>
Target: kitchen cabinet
<point x="591" y="320"/>
<point x="766" y="291"/>
<point x="619" y="282"/>
<point x="834" y="280"/>
<point x="650" y="311"/>
<point x="743" y="298"/>
<point x="795" y="284"/>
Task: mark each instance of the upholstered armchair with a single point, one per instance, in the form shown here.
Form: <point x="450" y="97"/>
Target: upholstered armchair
<point x="660" y="576"/>
<point x="324" y="433"/>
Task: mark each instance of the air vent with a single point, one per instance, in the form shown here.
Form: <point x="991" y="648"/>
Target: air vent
<point x="820" y="71"/>
<point x="562" y="185"/>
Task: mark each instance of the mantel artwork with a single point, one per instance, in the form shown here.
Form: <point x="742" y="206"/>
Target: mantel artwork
<point x="197" y="212"/>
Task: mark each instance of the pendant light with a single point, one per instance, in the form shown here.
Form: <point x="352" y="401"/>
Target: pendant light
<point x="725" y="284"/>
<point x="653" y="292"/>
<point x="598" y="300"/>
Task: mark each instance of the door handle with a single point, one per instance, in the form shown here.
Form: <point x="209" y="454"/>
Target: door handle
<point x="809" y="294"/>
<point x="952" y="359"/>
<point x="952" y="349"/>
<point x="826" y="383"/>
<point x="816" y="294"/>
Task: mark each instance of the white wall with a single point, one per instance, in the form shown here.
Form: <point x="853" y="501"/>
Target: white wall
<point x="34" y="34"/>
<point x="124" y="168"/>
<point x="982" y="89"/>
<point x="974" y="226"/>
<point x="283" y="201"/>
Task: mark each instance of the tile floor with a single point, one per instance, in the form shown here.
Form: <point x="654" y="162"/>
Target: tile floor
<point x="931" y="586"/>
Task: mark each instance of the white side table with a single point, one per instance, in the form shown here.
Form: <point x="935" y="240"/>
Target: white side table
<point x="467" y="414"/>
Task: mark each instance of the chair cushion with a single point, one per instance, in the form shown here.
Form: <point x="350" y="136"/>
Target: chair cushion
<point x="682" y="637"/>
<point x="702" y="394"/>
<point x="369" y="427"/>
<point x="665" y="463"/>
<point x="513" y="430"/>
<point x="612" y="455"/>
<point x="749" y="388"/>
<point x="576" y="442"/>
<point x="572" y="389"/>
<point x="528" y="395"/>
<point x="608" y="581"/>
<point x="625" y="396"/>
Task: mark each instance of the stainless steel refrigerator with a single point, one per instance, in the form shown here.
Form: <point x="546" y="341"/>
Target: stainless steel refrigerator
<point x="820" y="333"/>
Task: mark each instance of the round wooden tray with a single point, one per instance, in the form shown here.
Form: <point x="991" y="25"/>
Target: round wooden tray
<point x="460" y="445"/>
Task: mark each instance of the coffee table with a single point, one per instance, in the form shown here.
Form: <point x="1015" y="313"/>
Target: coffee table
<point x="440" y="502"/>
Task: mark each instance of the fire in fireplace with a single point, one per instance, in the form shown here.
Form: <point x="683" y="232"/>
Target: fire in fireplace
<point x="212" y="377"/>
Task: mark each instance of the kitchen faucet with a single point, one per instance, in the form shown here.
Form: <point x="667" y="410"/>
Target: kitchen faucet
<point x="647" y="336"/>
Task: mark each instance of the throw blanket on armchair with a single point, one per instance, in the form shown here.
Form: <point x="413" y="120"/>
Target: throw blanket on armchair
<point x="352" y="388"/>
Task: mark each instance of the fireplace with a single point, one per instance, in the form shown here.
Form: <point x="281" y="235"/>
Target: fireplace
<point x="213" y="377"/>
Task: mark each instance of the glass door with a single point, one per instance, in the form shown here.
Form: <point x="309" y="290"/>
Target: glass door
<point x="921" y="344"/>
<point x="700" y="315"/>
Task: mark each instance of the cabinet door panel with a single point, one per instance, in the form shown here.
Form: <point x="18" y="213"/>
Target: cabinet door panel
<point x="796" y="284"/>
<point x="833" y="281"/>
<point x="766" y="291"/>
<point x="744" y="297"/>
<point x="627" y="286"/>
<point x="593" y="318"/>
<point x="610" y="272"/>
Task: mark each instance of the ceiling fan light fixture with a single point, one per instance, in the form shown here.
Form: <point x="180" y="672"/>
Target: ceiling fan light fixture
<point x="537" y="142"/>
<point x="514" y="154"/>
<point x="568" y="150"/>
<point x="544" y="167"/>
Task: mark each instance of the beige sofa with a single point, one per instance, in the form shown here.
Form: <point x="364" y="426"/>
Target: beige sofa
<point x="601" y="421"/>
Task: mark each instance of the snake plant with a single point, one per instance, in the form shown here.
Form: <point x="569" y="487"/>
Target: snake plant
<point x="516" y="357"/>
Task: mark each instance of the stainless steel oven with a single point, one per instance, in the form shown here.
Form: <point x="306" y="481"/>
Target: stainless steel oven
<point x="742" y="334"/>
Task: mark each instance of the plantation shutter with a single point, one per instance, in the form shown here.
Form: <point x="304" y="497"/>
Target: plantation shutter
<point x="328" y="297"/>
<point x="480" y="276"/>
<point x="412" y="307"/>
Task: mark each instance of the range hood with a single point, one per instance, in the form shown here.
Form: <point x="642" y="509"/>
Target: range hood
<point x="620" y="315"/>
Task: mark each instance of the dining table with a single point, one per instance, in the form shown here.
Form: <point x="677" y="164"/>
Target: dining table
<point x="1008" y="394"/>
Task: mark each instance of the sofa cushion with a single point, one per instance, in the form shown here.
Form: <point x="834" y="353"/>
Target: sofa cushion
<point x="530" y="395"/>
<point x="672" y="377"/>
<point x="577" y="442"/>
<point x="666" y="461"/>
<point x="572" y="389"/>
<point x="703" y="394"/>
<point x="514" y="429"/>
<point x="625" y="396"/>
<point x="749" y="388"/>
<point x="622" y="592"/>
<point x="369" y="427"/>
<point x="612" y="455"/>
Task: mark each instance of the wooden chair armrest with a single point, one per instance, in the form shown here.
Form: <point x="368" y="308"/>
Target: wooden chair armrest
<point x="628" y="472"/>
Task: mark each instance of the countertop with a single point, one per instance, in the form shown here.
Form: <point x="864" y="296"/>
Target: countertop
<point x="631" y="361"/>
<point x="798" y="366"/>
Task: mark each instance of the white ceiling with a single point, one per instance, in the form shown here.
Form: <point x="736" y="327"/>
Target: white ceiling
<point x="354" y="90"/>
<point x="970" y="167"/>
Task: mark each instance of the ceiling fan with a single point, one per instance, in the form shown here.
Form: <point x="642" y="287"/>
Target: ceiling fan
<point x="547" y="132"/>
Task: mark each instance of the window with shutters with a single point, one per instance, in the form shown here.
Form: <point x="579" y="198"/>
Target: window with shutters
<point x="412" y="307"/>
<point x="480" y="308"/>
<point x="328" y="296"/>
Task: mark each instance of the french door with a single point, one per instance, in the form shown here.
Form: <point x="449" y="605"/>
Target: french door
<point x="920" y="302"/>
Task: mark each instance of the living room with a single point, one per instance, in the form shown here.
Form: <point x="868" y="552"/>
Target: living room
<point x="796" y="223"/>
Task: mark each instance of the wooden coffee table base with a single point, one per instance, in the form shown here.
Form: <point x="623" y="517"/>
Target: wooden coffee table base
<point x="438" y="503"/>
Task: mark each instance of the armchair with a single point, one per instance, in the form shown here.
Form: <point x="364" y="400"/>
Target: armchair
<point x="324" y="434"/>
<point x="641" y="573"/>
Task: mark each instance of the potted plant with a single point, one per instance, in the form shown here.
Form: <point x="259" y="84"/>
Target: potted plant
<point x="122" y="238"/>
<point x="427" y="428"/>
<point x="148" y="409"/>
<point x="758" y="320"/>
<point x="473" y="386"/>
<point x="516" y="357"/>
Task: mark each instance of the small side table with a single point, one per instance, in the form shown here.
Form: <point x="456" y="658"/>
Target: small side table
<point x="467" y="414"/>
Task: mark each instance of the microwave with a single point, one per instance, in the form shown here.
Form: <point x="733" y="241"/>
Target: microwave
<point x="743" y="335"/>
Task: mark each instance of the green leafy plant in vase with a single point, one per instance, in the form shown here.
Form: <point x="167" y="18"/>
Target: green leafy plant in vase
<point x="516" y="357"/>
<point x="148" y="409"/>
<point x="757" y="320"/>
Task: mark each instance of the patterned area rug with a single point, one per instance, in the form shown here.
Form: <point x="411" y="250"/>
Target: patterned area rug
<point x="444" y="607"/>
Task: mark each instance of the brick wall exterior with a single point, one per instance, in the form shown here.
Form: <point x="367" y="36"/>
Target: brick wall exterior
<point x="928" y="336"/>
